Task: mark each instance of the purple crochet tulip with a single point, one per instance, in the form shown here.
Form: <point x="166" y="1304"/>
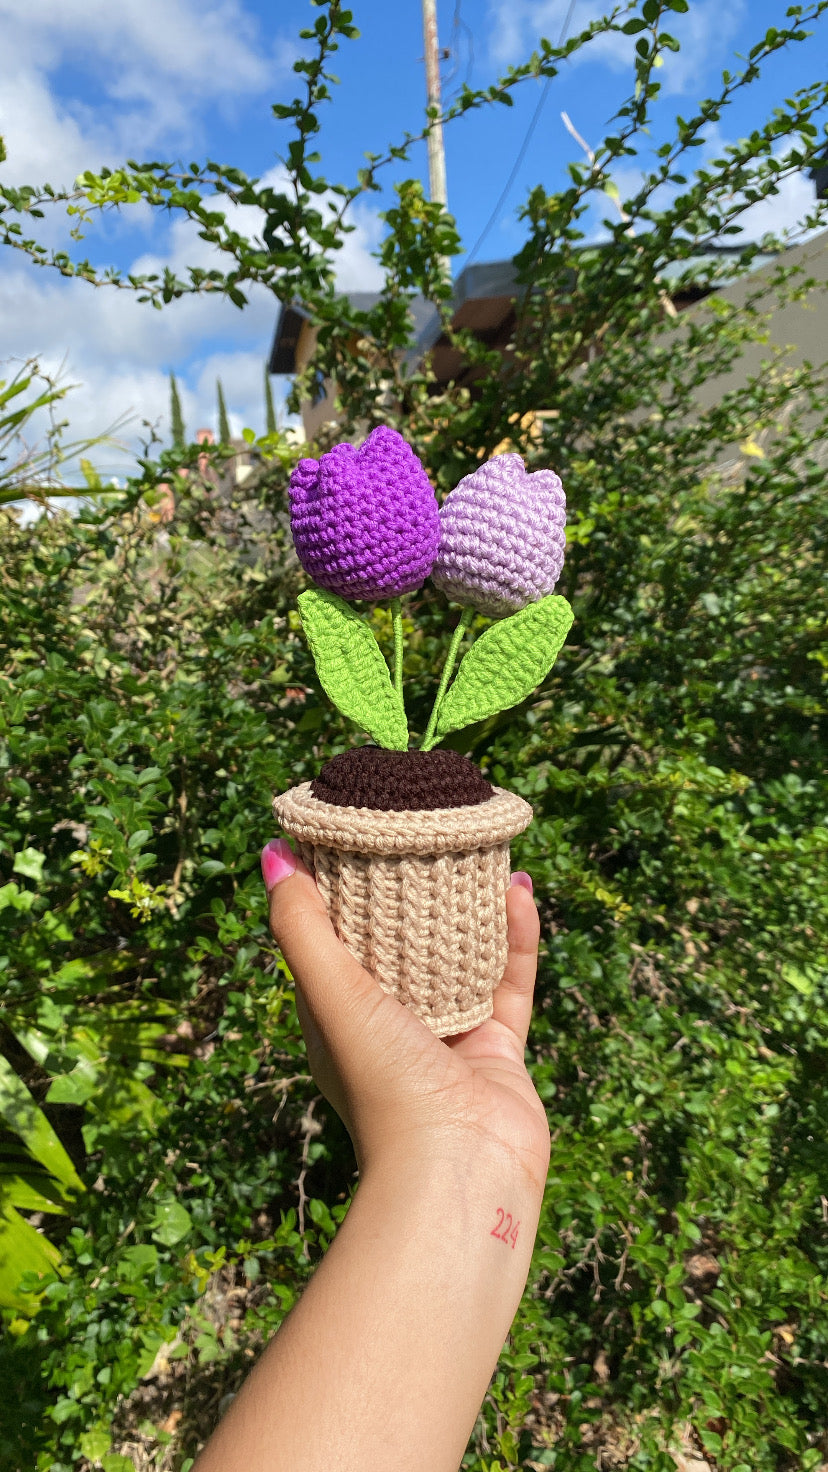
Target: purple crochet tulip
<point x="365" y="522"/>
<point x="502" y="537"/>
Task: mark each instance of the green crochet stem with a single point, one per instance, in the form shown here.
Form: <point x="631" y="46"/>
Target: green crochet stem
<point x="448" y="669"/>
<point x="396" y="620"/>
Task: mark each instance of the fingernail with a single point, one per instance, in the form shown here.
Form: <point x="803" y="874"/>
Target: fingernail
<point x="523" y="879"/>
<point x="278" y="862"/>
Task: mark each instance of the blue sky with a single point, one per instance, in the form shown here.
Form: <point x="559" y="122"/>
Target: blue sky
<point x="88" y="82"/>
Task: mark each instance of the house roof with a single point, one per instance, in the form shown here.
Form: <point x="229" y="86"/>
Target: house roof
<point x="483" y="301"/>
<point x="820" y="178"/>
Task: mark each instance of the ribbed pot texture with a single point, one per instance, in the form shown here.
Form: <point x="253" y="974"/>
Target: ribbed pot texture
<point x="418" y="897"/>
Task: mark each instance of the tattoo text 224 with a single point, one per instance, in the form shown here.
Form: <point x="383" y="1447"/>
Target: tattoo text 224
<point x="505" y="1229"/>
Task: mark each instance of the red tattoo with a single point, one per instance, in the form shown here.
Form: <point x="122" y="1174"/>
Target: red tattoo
<point x="504" y="1229"/>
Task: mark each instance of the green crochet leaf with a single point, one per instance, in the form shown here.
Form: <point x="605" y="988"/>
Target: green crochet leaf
<point x="351" y="668"/>
<point x="506" y="663"/>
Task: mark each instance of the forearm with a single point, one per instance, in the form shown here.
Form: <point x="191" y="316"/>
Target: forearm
<point x="385" y="1361"/>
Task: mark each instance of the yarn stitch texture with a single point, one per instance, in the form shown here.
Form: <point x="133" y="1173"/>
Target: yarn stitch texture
<point x="367" y="831"/>
<point x="395" y="781"/>
<point x="365" y="521"/>
<point x="506" y="663"/>
<point x="424" y="911"/>
<point x="351" y="668"/>
<point x="502" y="538"/>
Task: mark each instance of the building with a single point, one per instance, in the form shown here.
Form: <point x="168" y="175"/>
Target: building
<point x="485" y="299"/>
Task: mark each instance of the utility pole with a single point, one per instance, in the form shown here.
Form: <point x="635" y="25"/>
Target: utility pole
<point x="436" y="155"/>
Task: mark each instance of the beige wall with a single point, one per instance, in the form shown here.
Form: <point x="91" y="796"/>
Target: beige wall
<point x="800" y="327"/>
<point x="313" y="415"/>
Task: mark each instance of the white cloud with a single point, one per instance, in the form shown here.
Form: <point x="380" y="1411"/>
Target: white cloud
<point x="153" y="69"/>
<point x="518" y="25"/>
<point x="139" y="45"/>
<point x="242" y="381"/>
<point x="356" y="270"/>
<point x="120" y="352"/>
<point x="157" y="64"/>
<point x="780" y="212"/>
<point x="109" y="387"/>
<point x="43" y="140"/>
<point x="704" y="32"/>
<point x="182" y="245"/>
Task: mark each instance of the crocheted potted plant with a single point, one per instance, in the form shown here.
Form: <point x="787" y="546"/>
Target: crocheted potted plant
<point x="410" y="848"/>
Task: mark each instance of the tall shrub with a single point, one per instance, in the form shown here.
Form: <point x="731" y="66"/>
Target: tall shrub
<point x="178" y="432"/>
<point x="271" y="423"/>
<point x="223" y="421"/>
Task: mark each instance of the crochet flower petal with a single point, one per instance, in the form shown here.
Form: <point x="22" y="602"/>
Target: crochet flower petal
<point x="502" y="538"/>
<point x="365" y="521"/>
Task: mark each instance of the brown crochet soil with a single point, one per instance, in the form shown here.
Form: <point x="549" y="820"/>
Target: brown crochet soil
<point x="400" y="781"/>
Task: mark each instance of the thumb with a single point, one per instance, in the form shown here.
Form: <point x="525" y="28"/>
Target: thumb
<point x="340" y="996"/>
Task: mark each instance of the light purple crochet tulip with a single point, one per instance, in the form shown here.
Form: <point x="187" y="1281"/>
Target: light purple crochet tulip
<point x="365" y="522"/>
<point x="502" y="537"/>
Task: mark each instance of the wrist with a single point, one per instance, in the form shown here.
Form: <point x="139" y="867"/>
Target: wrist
<point x="459" y="1155"/>
<point x="472" y="1196"/>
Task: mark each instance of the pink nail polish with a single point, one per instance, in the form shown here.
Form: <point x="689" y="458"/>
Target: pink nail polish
<point x="278" y="862"/>
<point x="523" y="879"/>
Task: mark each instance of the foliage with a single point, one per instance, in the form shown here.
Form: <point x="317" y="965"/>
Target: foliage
<point x="161" y="689"/>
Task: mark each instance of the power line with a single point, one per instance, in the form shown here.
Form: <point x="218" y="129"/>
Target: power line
<point x="523" y="147"/>
<point x="459" y="25"/>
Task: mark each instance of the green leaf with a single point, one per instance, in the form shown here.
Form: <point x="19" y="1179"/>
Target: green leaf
<point x="65" y="1409"/>
<point x="171" y="1222"/>
<point x="19" y="899"/>
<point x="22" y="1250"/>
<point x="351" y="668"/>
<point x="18" y="1109"/>
<point x="29" y="862"/>
<point x="95" y="1444"/>
<point x="137" y="1262"/>
<point x="75" y="1087"/>
<point x="506" y="663"/>
<point x="31" y="1191"/>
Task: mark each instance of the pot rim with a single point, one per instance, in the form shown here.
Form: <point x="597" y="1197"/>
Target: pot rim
<point x="370" y="831"/>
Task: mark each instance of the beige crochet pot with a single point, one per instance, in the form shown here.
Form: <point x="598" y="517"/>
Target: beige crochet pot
<point x="418" y="897"/>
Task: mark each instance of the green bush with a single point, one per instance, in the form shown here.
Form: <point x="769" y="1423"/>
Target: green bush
<point x="156" y="691"/>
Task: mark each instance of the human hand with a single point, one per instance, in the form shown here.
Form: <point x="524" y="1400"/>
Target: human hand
<point x="402" y="1092"/>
